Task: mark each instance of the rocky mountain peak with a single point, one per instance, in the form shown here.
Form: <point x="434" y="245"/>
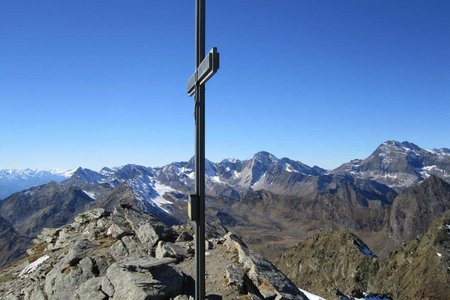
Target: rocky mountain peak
<point x="400" y="164"/>
<point x="126" y="254"/>
<point x="131" y="171"/>
<point x="401" y="145"/>
<point x="107" y="171"/>
<point x="441" y="151"/>
<point x="264" y="157"/>
<point x="87" y="176"/>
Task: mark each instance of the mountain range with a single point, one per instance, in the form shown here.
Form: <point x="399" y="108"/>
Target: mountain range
<point x="388" y="199"/>
<point x="12" y="180"/>
<point x="395" y="164"/>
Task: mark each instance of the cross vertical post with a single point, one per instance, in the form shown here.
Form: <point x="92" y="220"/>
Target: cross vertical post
<point x="206" y="67"/>
<point x="200" y="153"/>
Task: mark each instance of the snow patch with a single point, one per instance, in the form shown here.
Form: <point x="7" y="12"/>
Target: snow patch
<point x="159" y="200"/>
<point x="33" y="266"/>
<point x="429" y="168"/>
<point x="372" y="297"/>
<point x="311" y="296"/>
<point x="289" y="168"/>
<point x="216" y="179"/>
<point x="90" y="194"/>
<point x="231" y="160"/>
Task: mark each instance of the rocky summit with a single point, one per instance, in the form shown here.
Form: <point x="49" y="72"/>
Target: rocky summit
<point x="128" y="254"/>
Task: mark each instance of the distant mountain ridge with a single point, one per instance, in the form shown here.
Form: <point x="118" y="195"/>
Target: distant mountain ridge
<point x="400" y="164"/>
<point x="396" y="164"/>
<point x="13" y="180"/>
<point x="393" y="164"/>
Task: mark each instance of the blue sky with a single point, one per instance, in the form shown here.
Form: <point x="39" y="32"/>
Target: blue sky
<point x="102" y="83"/>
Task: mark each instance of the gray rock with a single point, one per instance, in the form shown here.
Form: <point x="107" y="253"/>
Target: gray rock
<point x="79" y="250"/>
<point x="125" y="247"/>
<point x="63" y="239"/>
<point x="63" y="280"/>
<point x="148" y="229"/>
<point x="234" y="276"/>
<point x="132" y="245"/>
<point x="117" y="230"/>
<point x="161" y="282"/>
<point x="11" y="297"/>
<point x="148" y="263"/>
<point x="148" y="234"/>
<point x="97" y="288"/>
<point x="90" y="215"/>
<point x="270" y="282"/>
<point x="48" y="234"/>
<point x="118" y="250"/>
<point x="102" y="261"/>
<point x="34" y="293"/>
<point x="167" y="249"/>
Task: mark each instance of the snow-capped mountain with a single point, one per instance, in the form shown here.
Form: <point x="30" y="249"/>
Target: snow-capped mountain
<point x="396" y="164"/>
<point x="263" y="171"/>
<point x="147" y="192"/>
<point x="158" y="189"/>
<point x="400" y="164"/>
<point x="12" y="180"/>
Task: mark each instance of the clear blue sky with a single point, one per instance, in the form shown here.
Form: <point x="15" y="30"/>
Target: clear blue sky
<point x="102" y="83"/>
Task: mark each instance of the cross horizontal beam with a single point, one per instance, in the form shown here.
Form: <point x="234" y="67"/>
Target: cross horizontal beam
<point x="207" y="68"/>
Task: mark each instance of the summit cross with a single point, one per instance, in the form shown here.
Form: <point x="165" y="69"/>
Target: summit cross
<point x="206" y="67"/>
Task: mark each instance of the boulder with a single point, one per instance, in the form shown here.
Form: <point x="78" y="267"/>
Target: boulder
<point x="97" y="288"/>
<point x="270" y="282"/>
<point x="167" y="249"/>
<point x="157" y="283"/>
<point x="234" y="276"/>
<point x="79" y="250"/>
<point x="90" y="215"/>
<point x="64" y="280"/>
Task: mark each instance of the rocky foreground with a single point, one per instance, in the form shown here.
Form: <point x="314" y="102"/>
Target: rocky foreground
<point x="126" y="254"/>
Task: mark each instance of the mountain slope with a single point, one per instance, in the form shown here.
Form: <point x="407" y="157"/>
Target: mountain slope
<point x="330" y="261"/>
<point x="270" y="222"/>
<point x="420" y="268"/>
<point x="12" y="244"/>
<point x="400" y="164"/>
<point x="49" y="205"/>
<point x="339" y="261"/>
<point x="417" y="207"/>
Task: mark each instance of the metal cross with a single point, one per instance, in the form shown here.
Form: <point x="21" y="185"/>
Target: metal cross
<point x="206" y="67"/>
